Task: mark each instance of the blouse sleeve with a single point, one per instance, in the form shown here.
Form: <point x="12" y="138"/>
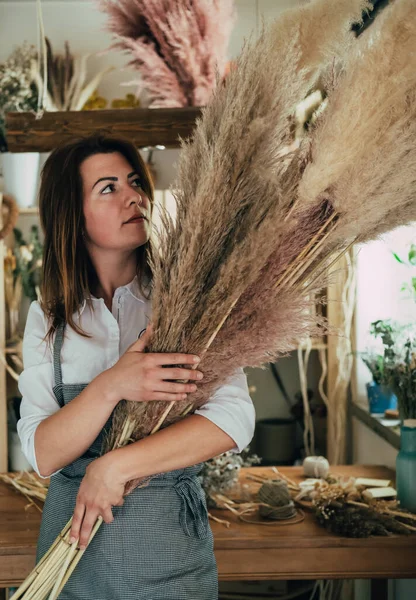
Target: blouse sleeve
<point x="232" y="409"/>
<point x="35" y="383"/>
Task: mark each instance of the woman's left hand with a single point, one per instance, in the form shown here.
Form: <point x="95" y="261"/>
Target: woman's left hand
<point x="101" y="488"/>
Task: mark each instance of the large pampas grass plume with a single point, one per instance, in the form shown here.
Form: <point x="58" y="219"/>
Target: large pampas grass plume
<point x="237" y="216"/>
<point x="177" y="46"/>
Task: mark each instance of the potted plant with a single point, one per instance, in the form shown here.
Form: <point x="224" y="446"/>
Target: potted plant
<point x="402" y="376"/>
<point x="380" y="395"/>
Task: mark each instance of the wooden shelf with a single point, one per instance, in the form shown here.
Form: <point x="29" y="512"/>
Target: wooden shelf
<point x="142" y="126"/>
<point x="390" y="434"/>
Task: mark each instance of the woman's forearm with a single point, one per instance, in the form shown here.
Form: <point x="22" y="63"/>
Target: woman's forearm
<point x="192" y="440"/>
<point x="68" y="433"/>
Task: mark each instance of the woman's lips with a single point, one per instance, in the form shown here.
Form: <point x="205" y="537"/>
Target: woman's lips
<point x="136" y="220"/>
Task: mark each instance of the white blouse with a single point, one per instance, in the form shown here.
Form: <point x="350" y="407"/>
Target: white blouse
<point x="82" y="359"/>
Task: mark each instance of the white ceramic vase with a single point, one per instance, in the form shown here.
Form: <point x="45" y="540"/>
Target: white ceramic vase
<point x="21" y="175"/>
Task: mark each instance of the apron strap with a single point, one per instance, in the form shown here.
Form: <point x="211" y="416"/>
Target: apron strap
<point x="57" y="388"/>
<point x="193" y="514"/>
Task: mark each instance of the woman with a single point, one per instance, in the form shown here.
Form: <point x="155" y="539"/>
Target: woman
<point x="82" y="356"/>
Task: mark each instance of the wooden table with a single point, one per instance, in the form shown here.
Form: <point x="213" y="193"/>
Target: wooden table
<point x="246" y="551"/>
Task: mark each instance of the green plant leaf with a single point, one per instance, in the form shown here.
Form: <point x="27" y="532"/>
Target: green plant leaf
<point x="398" y="259"/>
<point x="412" y="255"/>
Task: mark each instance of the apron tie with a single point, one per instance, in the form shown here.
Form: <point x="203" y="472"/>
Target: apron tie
<point x="193" y="511"/>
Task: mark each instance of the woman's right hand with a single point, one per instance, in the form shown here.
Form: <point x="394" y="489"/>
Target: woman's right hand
<point x="140" y="377"/>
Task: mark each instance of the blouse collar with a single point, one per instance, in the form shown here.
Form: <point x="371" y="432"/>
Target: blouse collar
<point x="132" y="287"/>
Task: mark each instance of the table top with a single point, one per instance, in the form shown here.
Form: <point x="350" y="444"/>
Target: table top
<point x="245" y="550"/>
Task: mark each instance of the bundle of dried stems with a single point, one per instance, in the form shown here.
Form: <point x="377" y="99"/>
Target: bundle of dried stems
<point x="257" y="227"/>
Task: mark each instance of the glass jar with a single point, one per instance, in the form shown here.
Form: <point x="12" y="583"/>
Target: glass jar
<point x="406" y="466"/>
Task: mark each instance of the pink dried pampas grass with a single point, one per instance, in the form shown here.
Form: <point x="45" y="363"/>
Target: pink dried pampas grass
<point x="235" y="196"/>
<point x="177" y="45"/>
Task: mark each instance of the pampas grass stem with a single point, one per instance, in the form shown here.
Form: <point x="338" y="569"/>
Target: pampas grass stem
<point x="80" y="554"/>
<point x="304" y="266"/>
<point x="40" y="565"/>
<point x="323" y="264"/>
<point x="289" y="271"/>
<point x="211" y="339"/>
<point x="68" y="559"/>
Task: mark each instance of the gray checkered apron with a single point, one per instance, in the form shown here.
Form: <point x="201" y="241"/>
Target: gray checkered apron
<point x="160" y="544"/>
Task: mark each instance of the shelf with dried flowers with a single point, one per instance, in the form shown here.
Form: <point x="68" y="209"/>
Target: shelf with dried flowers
<point x="142" y="126"/>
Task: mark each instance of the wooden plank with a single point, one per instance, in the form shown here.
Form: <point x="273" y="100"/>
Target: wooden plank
<point x="388" y="434"/>
<point x="339" y="356"/>
<point x="273" y="564"/>
<point x="142" y="126"/>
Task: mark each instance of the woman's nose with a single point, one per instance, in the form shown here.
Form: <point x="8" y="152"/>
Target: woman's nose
<point x="133" y="198"/>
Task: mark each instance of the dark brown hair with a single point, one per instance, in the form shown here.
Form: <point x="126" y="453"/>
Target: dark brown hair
<point x="68" y="275"/>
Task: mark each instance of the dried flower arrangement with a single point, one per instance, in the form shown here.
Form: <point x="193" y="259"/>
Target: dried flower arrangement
<point x="257" y="224"/>
<point x="17" y="90"/>
<point x="66" y="79"/>
<point x="220" y="474"/>
<point x="341" y="506"/>
<point x="22" y="272"/>
<point x="28" y="256"/>
<point x="176" y="46"/>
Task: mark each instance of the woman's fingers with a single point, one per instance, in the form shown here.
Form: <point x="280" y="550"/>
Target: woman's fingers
<point x="165" y="397"/>
<point x="177" y="373"/>
<point x="174" y="388"/>
<point x="88" y="522"/>
<point x="107" y="514"/>
<point x="76" y="522"/>
<point x="166" y="358"/>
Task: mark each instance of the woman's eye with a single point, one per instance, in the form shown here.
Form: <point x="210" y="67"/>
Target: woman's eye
<point x="137" y="182"/>
<point x="108" y="188"/>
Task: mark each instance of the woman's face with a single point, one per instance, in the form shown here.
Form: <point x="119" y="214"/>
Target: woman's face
<point x="111" y="196"/>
